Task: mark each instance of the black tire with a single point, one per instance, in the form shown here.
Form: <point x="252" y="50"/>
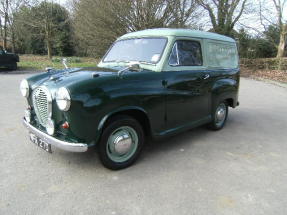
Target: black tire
<point x="214" y="124"/>
<point x="118" y="122"/>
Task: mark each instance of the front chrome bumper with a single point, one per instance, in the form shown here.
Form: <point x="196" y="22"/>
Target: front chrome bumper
<point x="67" y="146"/>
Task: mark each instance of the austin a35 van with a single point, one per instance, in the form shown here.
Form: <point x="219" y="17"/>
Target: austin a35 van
<point x="154" y="83"/>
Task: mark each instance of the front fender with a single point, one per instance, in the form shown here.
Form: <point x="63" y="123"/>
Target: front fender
<point x="95" y="99"/>
<point x="93" y="103"/>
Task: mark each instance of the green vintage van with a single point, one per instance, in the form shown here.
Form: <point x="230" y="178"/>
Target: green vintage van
<point x="152" y="83"/>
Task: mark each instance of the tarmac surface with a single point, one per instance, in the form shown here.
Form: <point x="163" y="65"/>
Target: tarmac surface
<point x="241" y="169"/>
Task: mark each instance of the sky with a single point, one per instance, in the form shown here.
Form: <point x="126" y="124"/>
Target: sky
<point x="62" y="2"/>
<point x="247" y="20"/>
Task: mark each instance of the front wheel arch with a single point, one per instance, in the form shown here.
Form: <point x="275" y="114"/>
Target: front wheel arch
<point x="137" y="113"/>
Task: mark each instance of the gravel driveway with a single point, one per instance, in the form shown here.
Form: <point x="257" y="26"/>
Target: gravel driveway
<point x="241" y="169"/>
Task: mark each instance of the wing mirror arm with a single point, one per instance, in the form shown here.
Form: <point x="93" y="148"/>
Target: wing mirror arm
<point x="134" y="66"/>
<point x="64" y="62"/>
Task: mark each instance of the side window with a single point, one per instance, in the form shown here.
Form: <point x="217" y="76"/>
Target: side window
<point x="186" y="53"/>
<point x="222" y="55"/>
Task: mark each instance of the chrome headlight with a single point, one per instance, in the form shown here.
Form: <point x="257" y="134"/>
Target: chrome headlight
<point x="24" y="88"/>
<point x="63" y="99"/>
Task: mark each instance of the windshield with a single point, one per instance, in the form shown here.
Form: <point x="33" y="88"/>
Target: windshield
<point x="146" y="50"/>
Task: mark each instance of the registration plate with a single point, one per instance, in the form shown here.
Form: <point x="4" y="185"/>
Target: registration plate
<point x="41" y="143"/>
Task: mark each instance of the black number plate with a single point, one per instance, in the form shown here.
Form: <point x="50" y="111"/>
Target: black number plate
<point x="41" y="143"/>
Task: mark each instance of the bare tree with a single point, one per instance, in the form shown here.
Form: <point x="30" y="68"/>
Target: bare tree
<point x="271" y="14"/>
<point x="4" y="13"/>
<point x="47" y="19"/>
<point x="7" y="10"/>
<point x="223" y="14"/>
<point x="280" y="6"/>
<point x="14" y="6"/>
<point x="143" y="14"/>
<point x="185" y="14"/>
<point x="98" y="22"/>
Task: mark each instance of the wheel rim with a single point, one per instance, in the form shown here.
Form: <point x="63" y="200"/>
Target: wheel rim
<point x="122" y="144"/>
<point x="220" y="115"/>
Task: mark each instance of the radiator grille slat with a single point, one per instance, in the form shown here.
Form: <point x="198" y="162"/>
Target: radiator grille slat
<point x="41" y="104"/>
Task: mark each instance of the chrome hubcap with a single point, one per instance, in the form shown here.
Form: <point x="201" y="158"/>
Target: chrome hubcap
<point x="122" y="144"/>
<point x="220" y="114"/>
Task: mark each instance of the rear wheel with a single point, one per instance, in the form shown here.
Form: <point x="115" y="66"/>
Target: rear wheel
<point x="219" y="116"/>
<point x="121" y="142"/>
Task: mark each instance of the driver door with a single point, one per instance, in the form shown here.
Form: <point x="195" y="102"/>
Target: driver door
<point x="186" y="85"/>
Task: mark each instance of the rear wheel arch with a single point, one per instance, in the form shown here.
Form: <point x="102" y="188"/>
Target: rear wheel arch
<point x="230" y="102"/>
<point x="226" y="98"/>
<point x="224" y="90"/>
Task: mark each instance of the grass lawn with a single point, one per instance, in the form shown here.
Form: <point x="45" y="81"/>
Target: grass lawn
<point x="38" y="62"/>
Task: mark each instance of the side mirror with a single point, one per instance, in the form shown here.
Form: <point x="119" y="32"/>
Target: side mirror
<point x="49" y="69"/>
<point x="135" y="66"/>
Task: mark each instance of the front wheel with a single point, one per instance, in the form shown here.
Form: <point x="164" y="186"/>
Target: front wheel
<point x="219" y="116"/>
<point x="121" y="142"/>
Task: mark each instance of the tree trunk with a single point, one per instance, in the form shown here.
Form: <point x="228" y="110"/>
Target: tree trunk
<point x="13" y="40"/>
<point x="5" y="33"/>
<point x="48" y="41"/>
<point x="1" y="30"/>
<point x="5" y="25"/>
<point x="282" y="43"/>
<point x="49" y="48"/>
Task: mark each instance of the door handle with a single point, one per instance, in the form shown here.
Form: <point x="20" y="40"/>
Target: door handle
<point x="206" y="76"/>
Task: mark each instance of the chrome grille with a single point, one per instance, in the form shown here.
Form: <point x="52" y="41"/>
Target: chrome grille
<point x="42" y="104"/>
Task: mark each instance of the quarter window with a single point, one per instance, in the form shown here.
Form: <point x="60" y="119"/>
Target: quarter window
<point x="186" y="53"/>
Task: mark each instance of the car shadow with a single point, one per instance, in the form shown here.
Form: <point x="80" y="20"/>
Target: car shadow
<point x="90" y="159"/>
<point x="152" y="148"/>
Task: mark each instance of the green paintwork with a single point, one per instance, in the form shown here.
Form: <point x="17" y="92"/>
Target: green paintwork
<point x="170" y="99"/>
